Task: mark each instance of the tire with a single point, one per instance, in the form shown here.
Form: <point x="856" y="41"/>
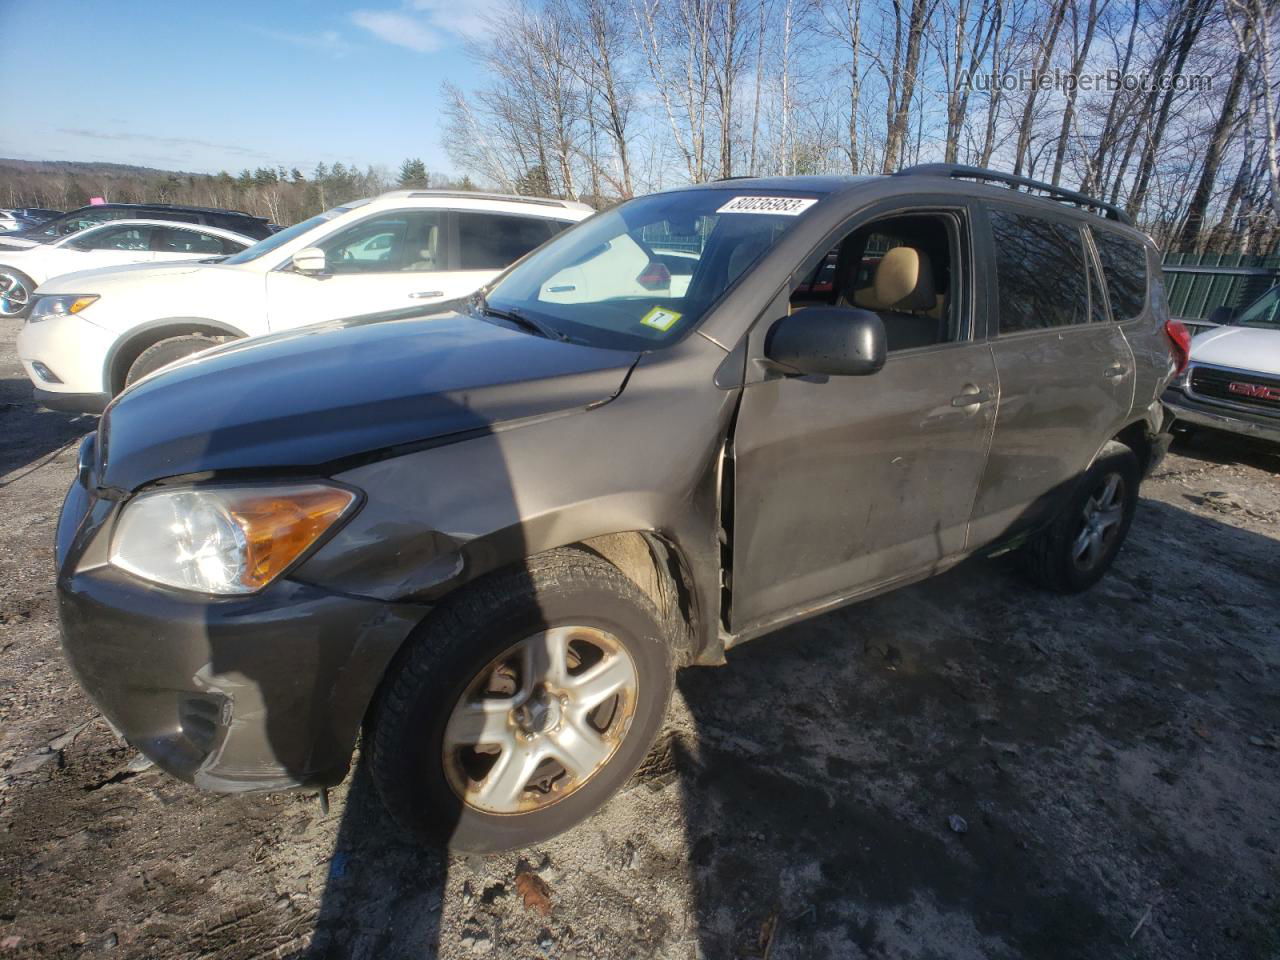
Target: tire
<point x="1081" y="544"/>
<point x="16" y="290"/>
<point x="468" y="661"/>
<point x="165" y="352"/>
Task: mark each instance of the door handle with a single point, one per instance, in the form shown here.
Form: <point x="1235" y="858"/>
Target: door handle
<point x="426" y="294"/>
<point x="971" y="398"/>
<point x="1116" y="371"/>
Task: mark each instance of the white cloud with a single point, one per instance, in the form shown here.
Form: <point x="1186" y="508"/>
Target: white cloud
<point x="326" y="41"/>
<point x="426" y="25"/>
<point x="470" y="20"/>
<point x="400" y="29"/>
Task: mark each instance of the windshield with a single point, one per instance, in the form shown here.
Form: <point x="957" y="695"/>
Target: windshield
<point x="1263" y="312"/>
<point x="277" y="240"/>
<point x="75" y="221"/>
<point x="646" y="272"/>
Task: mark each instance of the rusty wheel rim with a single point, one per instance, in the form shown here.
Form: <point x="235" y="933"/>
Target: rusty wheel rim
<point x="540" y="720"/>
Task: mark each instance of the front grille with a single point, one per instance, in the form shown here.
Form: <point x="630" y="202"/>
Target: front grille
<point x="1246" y="389"/>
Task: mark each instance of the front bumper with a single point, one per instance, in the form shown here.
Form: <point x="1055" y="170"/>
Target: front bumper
<point x="1221" y="416"/>
<point x="264" y="692"/>
<point x="75" y="351"/>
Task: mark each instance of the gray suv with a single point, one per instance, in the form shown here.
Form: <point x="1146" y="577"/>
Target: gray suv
<point x="486" y="535"/>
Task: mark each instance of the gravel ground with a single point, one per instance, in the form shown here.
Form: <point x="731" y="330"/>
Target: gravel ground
<point x="1114" y="757"/>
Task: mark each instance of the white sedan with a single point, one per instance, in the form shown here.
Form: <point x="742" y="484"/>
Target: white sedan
<point x="112" y="244"/>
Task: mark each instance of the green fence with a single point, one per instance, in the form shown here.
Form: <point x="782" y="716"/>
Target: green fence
<point x="1197" y="283"/>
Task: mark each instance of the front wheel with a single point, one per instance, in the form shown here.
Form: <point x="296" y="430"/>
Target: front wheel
<point x="1081" y="544"/>
<point x="16" y="291"/>
<point x="164" y="352"/>
<point x="524" y="703"/>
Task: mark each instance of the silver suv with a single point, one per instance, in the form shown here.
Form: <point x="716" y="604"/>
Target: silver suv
<point x="489" y="533"/>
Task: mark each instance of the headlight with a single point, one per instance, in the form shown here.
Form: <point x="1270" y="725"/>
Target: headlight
<point x="224" y="540"/>
<point x="47" y="307"/>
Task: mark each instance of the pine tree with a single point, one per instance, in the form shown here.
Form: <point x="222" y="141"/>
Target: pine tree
<point x="413" y="175"/>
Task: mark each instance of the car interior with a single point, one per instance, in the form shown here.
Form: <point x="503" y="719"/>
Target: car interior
<point x="899" y="267"/>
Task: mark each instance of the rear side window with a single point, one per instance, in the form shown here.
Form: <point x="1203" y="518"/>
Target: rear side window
<point x="1124" y="266"/>
<point x="1040" y="268"/>
<point x="195" y="241"/>
<point x="170" y="215"/>
<point x="490" y="241"/>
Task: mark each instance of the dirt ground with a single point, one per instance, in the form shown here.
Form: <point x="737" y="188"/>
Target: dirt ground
<point x="1114" y="757"/>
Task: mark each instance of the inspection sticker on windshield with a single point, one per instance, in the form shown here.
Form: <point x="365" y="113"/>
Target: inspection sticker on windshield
<point x="660" y="318"/>
<point x="787" y="206"/>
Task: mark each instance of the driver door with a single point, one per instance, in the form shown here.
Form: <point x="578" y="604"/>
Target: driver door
<point x="390" y="261"/>
<point x="842" y="484"/>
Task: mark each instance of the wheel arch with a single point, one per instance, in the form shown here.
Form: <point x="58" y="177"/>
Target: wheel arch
<point x="127" y="349"/>
<point x="1140" y="437"/>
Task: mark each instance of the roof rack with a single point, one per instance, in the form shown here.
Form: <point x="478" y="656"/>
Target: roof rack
<point x="188" y="207"/>
<point x="961" y="172"/>
<point x="478" y="195"/>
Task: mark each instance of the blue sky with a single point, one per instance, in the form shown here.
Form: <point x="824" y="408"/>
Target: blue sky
<point x="226" y="85"/>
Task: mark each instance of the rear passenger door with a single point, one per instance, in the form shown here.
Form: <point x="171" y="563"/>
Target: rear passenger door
<point x="1066" y="371"/>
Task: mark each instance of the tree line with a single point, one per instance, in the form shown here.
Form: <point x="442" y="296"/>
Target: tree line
<point x="284" y="196"/>
<point x="1164" y="107"/>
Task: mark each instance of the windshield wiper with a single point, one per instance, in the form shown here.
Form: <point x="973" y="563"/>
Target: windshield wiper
<point x="520" y="320"/>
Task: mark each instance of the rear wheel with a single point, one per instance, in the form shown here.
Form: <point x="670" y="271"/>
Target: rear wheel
<point x="1081" y="544"/>
<point x="521" y="706"/>
<point x="16" y="291"/>
<point x="165" y="352"/>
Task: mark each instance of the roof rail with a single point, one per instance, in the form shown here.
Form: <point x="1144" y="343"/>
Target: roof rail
<point x="479" y="195"/>
<point x="961" y="172"/>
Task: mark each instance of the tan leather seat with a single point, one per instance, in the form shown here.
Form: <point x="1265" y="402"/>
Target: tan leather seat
<point x="426" y="259"/>
<point x="903" y="293"/>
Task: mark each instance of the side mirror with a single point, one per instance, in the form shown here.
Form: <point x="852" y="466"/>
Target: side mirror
<point x="310" y="260"/>
<point x="1221" y="316"/>
<point x="837" y="341"/>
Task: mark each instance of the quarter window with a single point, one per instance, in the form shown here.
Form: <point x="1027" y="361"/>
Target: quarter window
<point x="491" y="242"/>
<point x="1124" y="266"/>
<point x="1040" y="268"/>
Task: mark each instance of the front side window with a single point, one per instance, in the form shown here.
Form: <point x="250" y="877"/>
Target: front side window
<point x="116" y="238"/>
<point x="1263" y="312"/>
<point x="490" y="241"/>
<point x="1124" y="267"/>
<point x="647" y="271"/>
<point x="905" y="268"/>
<point x="408" y="240"/>
<point x="1040" y="269"/>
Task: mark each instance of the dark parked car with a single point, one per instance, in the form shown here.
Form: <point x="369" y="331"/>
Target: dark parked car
<point x="63" y="224"/>
<point x="488" y="534"/>
<point x="37" y="214"/>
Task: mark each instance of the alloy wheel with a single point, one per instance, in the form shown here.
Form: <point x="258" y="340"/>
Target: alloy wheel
<point x="1100" y="524"/>
<point x="540" y="720"/>
<point x="14" y="295"/>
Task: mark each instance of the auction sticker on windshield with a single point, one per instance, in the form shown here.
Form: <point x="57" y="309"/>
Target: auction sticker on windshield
<point x="787" y="206"/>
<point x="660" y="318"/>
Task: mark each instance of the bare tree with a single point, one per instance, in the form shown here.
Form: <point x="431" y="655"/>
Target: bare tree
<point x="903" y="83"/>
<point x="1253" y="23"/>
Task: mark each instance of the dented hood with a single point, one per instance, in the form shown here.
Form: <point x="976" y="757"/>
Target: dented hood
<point x="335" y="391"/>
